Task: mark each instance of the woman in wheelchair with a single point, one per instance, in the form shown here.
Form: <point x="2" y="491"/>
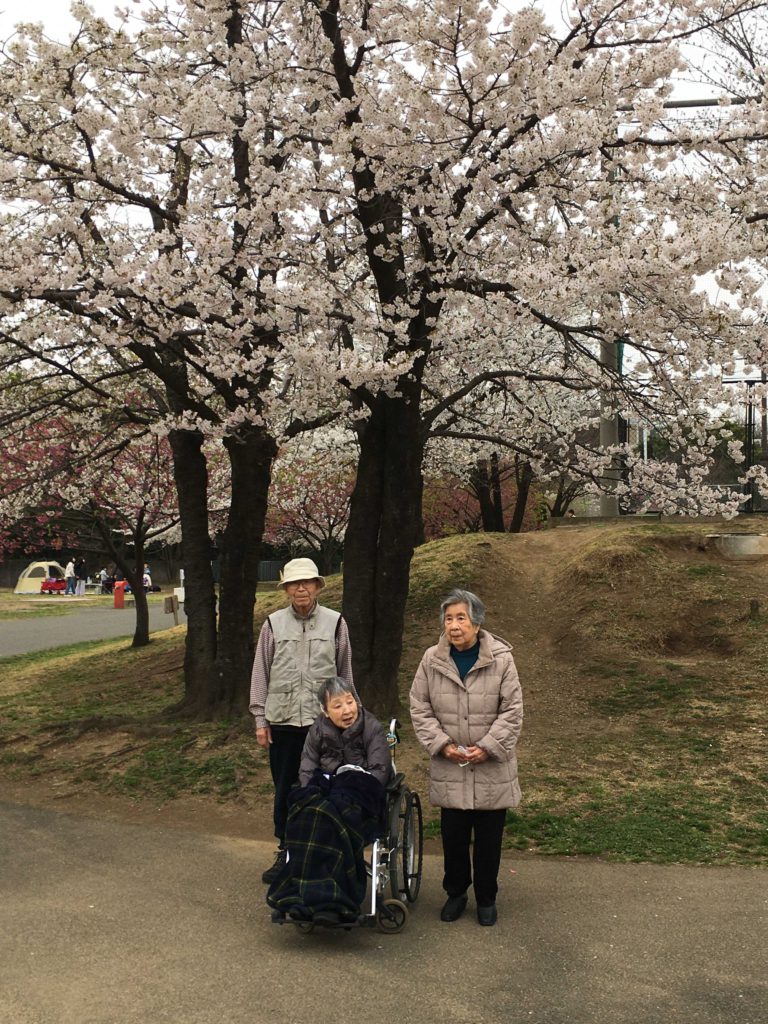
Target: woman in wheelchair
<point x="334" y="813"/>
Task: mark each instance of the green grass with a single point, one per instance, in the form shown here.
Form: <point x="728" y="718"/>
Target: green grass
<point x="93" y="713"/>
<point x="39" y="612"/>
<point x="651" y="823"/>
<point x="705" y="570"/>
<point x="165" y="769"/>
<point x="649" y="691"/>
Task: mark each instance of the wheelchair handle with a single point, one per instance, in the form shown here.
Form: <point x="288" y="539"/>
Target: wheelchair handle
<point x="393" y="738"/>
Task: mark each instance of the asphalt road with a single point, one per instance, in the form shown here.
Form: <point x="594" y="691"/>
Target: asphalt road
<point x="23" y="636"/>
<point x="108" y="923"/>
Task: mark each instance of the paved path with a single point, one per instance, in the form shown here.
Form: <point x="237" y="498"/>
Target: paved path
<point x="22" y="636"/>
<point x="107" y="923"/>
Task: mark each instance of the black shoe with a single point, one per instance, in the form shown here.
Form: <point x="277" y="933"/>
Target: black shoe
<point x="487" y="915"/>
<point x="298" y="912"/>
<point x="271" y="873"/>
<point x="278" y="916"/>
<point x="327" y="917"/>
<point x="454" y="907"/>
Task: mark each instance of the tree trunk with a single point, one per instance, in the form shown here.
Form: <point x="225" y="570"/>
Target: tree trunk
<point x="136" y="580"/>
<point x="130" y="572"/>
<point x="560" y="504"/>
<point x="524" y="478"/>
<point x="498" y="504"/>
<point x="480" y="483"/>
<point x="486" y="483"/>
<point x="384" y="523"/>
<point x="251" y="460"/>
<point x="191" y="475"/>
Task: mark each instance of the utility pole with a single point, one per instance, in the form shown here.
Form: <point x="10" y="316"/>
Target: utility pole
<point x="609" y="431"/>
<point x="611" y="352"/>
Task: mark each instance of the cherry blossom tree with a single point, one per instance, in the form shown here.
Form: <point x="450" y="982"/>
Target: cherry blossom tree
<point x="492" y="190"/>
<point x="145" y="225"/>
<point x="414" y="214"/>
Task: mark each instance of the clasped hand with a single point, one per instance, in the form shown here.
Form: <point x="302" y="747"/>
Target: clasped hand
<point x="468" y="755"/>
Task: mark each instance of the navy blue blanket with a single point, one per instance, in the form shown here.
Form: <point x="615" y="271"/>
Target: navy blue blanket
<point x="330" y="822"/>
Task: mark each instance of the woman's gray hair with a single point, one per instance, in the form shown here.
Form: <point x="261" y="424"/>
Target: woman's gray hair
<point x="335" y="687"/>
<point x="475" y="606"/>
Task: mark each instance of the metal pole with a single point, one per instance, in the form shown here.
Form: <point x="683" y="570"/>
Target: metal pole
<point x="750" y="444"/>
<point x="609" y="432"/>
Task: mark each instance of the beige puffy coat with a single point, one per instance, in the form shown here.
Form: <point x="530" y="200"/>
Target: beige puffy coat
<point x="485" y="710"/>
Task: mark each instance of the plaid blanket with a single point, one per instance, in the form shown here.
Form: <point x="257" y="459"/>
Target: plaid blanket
<point x="330" y="822"/>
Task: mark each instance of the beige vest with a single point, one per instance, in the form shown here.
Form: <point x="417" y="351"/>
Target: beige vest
<point x="305" y="655"/>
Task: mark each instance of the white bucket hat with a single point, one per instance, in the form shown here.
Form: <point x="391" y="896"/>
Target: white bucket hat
<point x="300" y="569"/>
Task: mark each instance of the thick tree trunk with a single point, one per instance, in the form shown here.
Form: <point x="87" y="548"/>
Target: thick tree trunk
<point x="191" y="476"/>
<point x="486" y="483"/>
<point x="384" y="524"/>
<point x="480" y="483"/>
<point x="251" y="460"/>
<point x="524" y="478"/>
<point x="560" y="504"/>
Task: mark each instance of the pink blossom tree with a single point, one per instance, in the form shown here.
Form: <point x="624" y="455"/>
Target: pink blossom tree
<point x="113" y="482"/>
<point x="309" y="499"/>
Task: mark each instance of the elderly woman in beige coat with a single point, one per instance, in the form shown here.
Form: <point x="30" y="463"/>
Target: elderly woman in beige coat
<point x="467" y="710"/>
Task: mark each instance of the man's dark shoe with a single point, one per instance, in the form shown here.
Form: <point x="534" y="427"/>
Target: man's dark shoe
<point x="487" y="915"/>
<point x="454" y="907"/>
<point x="278" y="916"/>
<point x="271" y="873"/>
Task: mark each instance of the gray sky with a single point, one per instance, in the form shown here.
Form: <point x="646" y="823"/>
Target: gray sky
<point x="54" y="14"/>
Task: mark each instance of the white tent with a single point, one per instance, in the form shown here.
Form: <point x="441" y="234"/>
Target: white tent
<point x="29" y="581"/>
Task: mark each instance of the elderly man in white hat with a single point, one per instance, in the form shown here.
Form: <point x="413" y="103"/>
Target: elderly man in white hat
<point x="299" y="647"/>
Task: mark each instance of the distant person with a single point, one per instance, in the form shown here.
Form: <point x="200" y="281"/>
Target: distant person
<point x="147" y="580"/>
<point x="467" y="711"/>
<point x="104" y="580"/>
<point x="570" y="514"/>
<point x="298" y="648"/>
<point x="81" y="576"/>
<point x="69" y="577"/>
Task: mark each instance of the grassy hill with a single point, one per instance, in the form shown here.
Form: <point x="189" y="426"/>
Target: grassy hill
<point x="642" y="659"/>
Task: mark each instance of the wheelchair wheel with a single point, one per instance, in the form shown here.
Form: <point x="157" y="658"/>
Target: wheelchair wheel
<point x="413" y="852"/>
<point x="391" y="916"/>
<point x="406" y="839"/>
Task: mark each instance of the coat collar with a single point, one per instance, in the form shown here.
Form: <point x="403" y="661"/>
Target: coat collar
<point x="484" y="658"/>
<point x="355" y="729"/>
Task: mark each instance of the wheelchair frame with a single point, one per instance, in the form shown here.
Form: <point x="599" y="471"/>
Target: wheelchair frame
<point x="396" y="859"/>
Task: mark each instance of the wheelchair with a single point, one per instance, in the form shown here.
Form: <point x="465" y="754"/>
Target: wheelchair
<point x="394" y="866"/>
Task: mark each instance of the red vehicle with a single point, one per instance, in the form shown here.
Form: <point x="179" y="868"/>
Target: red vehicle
<point x="52" y="585"/>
